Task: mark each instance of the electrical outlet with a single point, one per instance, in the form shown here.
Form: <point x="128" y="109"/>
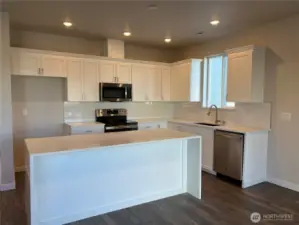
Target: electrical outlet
<point x="286" y="116"/>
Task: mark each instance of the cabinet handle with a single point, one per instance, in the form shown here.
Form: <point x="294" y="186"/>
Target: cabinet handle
<point x="88" y="131"/>
<point x="38" y="71"/>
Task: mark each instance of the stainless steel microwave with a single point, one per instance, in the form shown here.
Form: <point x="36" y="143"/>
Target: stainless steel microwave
<point x="110" y="92"/>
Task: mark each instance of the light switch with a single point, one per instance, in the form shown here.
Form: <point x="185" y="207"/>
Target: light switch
<point x="24" y="112"/>
<point x="286" y="116"/>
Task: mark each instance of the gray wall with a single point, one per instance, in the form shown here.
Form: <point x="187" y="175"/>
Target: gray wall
<point x="282" y="79"/>
<point x="6" y="148"/>
<point x="38" y="108"/>
<point x="47" y="41"/>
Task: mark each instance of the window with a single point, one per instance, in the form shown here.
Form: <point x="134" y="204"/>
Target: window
<point x="215" y="82"/>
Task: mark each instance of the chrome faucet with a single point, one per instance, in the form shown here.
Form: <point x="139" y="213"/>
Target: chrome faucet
<point x="209" y="113"/>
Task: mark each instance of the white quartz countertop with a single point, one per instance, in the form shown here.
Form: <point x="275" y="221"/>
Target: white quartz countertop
<point x="228" y="127"/>
<point x="84" y="124"/>
<point x="82" y="142"/>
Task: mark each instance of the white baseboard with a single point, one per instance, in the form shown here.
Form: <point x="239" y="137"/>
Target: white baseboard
<point x="112" y="207"/>
<point x="208" y="170"/>
<point x="7" y="187"/>
<point x="285" y="184"/>
<point x="246" y="184"/>
<point x="19" y="169"/>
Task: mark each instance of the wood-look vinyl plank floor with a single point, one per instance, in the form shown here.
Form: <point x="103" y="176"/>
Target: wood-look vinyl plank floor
<point x="222" y="203"/>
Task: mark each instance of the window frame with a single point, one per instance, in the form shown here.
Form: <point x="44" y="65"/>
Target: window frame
<point x="206" y="80"/>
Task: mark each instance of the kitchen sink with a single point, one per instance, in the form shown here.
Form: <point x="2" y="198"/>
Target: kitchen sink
<point x="209" y="124"/>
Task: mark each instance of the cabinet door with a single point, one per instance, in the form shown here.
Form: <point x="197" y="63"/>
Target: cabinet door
<point x="207" y="135"/>
<point x="74" y="80"/>
<point x="124" y="73"/>
<point x="107" y="72"/>
<point x="154" y="83"/>
<point x="139" y="83"/>
<point x="53" y="66"/>
<point x="25" y="63"/>
<point x="180" y="82"/>
<point x="90" y="80"/>
<point x="165" y="80"/>
<point x="239" y="77"/>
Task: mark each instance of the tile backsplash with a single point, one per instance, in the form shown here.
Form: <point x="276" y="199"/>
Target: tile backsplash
<point x="81" y="111"/>
<point x="246" y="114"/>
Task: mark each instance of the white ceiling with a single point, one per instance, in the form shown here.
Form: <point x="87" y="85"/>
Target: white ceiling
<point x="182" y="20"/>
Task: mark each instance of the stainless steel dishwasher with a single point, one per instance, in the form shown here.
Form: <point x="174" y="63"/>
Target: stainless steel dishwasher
<point x="228" y="154"/>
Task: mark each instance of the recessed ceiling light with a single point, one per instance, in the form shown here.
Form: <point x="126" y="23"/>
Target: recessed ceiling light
<point x="167" y="40"/>
<point x="127" y="33"/>
<point x="67" y="24"/>
<point x="152" y="7"/>
<point x="215" y="22"/>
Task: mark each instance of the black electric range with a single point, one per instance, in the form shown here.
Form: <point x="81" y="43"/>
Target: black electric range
<point x="115" y="120"/>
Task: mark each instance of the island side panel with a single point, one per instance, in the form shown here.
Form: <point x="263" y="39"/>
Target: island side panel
<point x="193" y="166"/>
<point x="255" y="159"/>
<point x="75" y="185"/>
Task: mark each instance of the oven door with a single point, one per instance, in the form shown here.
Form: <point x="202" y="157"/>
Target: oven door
<point x="115" y="92"/>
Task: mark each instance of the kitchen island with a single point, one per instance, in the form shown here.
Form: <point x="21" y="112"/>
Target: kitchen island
<point x="76" y="177"/>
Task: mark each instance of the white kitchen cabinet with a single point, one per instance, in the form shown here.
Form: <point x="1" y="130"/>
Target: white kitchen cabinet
<point x="53" y="66"/>
<point x="154" y="83"/>
<point x="139" y="83"/>
<point x="29" y="63"/>
<point x="245" y="75"/>
<point x="207" y="134"/>
<point x="124" y="73"/>
<point x="74" y="79"/>
<point x="150" y="82"/>
<point x="185" y="81"/>
<point x="70" y="129"/>
<point x="107" y="73"/>
<point x="25" y="63"/>
<point x="152" y="125"/>
<point x="115" y="72"/>
<point x="82" y="84"/>
<point x="165" y="83"/>
<point x="90" y="80"/>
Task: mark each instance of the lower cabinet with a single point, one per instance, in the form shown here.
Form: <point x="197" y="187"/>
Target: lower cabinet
<point x="72" y="130"/>
<point x="207" y="135"/>
<point x="151" y="125"/>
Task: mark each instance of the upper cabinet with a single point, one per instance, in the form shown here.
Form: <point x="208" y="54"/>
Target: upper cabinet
<point x="246" y="74"/>
<point x="150" y="82"/>
<point x="53" y="66"/>
<point x="114" y="72"/>
<point x="82" y="80"/>
<point x="165" y="83"/>
<point x="25" y="63"/>
<point x="185" y="81"/>
<point x="30" y="63"/>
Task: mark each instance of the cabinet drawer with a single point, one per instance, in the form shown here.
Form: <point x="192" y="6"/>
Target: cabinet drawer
<point x="148" y="126"/>
<point x="87" y="130"/>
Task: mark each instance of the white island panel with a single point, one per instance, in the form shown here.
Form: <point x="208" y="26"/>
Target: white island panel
<point x="73" y="185"/>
